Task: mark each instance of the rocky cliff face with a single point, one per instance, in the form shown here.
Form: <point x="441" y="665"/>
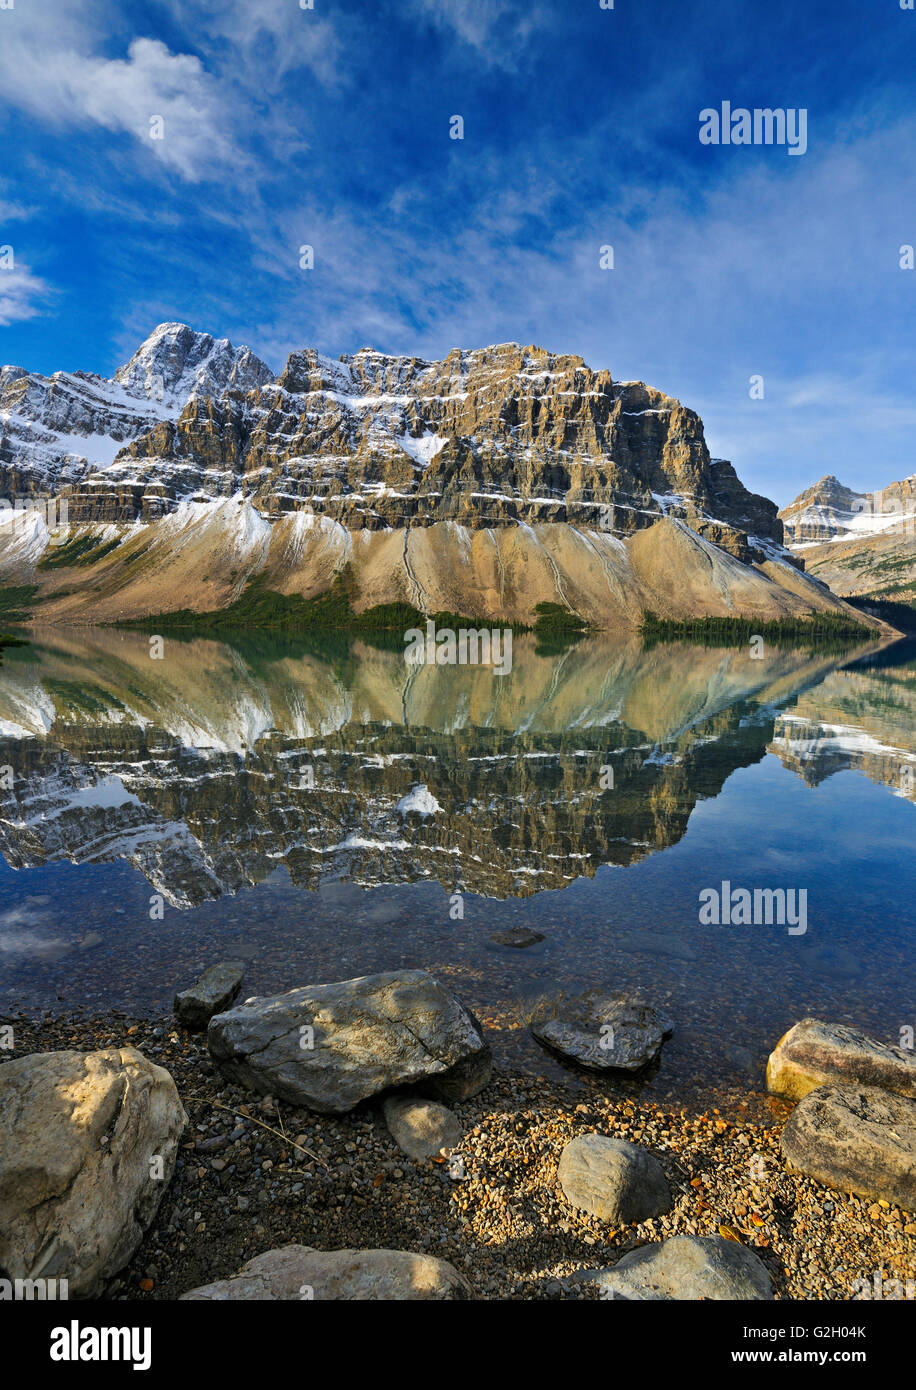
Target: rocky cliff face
<point x="175" y="363"/>
<point x="487" y="437"/>
<point x="485" y="483"/>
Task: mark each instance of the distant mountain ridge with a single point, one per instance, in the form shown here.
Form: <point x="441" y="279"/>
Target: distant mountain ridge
<point x="830" y="511"/>
<point x="860" y="543"/>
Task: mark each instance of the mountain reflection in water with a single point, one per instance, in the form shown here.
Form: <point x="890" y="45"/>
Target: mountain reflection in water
<point x="230" y="779"/>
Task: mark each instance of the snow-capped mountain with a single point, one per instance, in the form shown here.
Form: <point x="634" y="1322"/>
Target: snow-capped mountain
<point x="56" y="430"/>
<point x="831" y="512"/>
<point x="498" y="435"/>
<point x="175" y="363"/>
<point x="483" y="483"/>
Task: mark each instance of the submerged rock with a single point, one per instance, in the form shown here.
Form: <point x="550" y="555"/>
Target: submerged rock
<point x="613" y="1180"/>
<point x="687" y="1268"/>
<point x="814" y="1053"/>
<point x="517" y="936"/>
<point x="209" y="995"/>
<point x="299" y="1272"/>
<point x="655" y="944"/>
<point x="328" y="1047"/>
<point x="856" y="1139"/>
<point x="604" y="1032"/>
<point x="90" y="1142"/>
<point x="421" y="1128"/>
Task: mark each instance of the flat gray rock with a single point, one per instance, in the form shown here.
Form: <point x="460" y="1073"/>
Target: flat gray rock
<point x="299" y="1272"/>
<point x="211" y="994"/>
<point x="814" y="1053"/>
<point x="421" y="1128"/>
<point x="613" y="1180"/>
<point x="89" y="1143"/>
<point x="856" y="1139"/>
<point x="328" y="1047"/>
<point x="603" y="1031"/>
<point x="687" y="1268"/>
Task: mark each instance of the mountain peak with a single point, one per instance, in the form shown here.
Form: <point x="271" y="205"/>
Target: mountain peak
<point x="175" y="361"/>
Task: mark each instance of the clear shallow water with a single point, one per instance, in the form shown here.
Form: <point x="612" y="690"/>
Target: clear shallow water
<point x="253" y="794"/>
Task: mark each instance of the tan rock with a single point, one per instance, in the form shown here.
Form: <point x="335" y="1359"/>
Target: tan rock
<point x="814" y="1053"/>
<point x="421" y="1128"/>
<point x="856" y="1139"/>
<point x="299" y="1272"/>
<point x="612" y="1179"/>
<point x="687" y="1268"/>
<point x="89" y="1147"/>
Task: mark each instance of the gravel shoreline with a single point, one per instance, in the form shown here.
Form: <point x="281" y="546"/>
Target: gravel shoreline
<point x="244" y="1185"/>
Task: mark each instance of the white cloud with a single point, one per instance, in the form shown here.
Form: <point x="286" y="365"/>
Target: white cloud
<point x="10" y="212"/>
<point x="855" y="425"/>
<point x="770" y="269"/>
<point x="22" y="295"/>
<point x="49" y="69"/>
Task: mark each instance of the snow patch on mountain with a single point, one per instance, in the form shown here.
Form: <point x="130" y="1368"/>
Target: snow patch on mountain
<point x="420" y="800"/>
<point x="24" y="537"/>
<point x="423" y="448"/>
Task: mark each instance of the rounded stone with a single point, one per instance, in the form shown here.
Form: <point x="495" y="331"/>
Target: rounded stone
<point x="814" y="1053"/>
<point x="603" y="1031"/>
<point x="856" y="1139"/>
<point x="687" y="1268"/>
<point x="613" y="1180"/>
<point x="421" y="1128"/>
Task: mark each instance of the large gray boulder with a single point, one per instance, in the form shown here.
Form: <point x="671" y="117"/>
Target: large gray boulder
<point x="299" y="1272"/>
<point x="211" y="994"/>
<point x="613" y="1180"/>
<point x="684" y="1268"/>
<point x="856" y="1139"/>
<point x="89" y="1146"/>
<point x="328" y="1047"/>
<point x="421" y="1128"/>
<point x="814" y="1053"/>
<point x="602" y="1031"/>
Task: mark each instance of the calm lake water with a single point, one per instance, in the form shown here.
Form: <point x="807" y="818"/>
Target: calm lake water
<point x="256" y="800"/>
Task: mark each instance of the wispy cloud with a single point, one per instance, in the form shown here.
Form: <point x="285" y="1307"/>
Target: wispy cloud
<point x="496" y="29"/>
<point x="22" y="295"/>
<point x="264" y="41"/>
<point x="12" y="211"/>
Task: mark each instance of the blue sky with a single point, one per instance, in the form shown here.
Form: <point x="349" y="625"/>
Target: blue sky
<point x="283" y="126"/>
